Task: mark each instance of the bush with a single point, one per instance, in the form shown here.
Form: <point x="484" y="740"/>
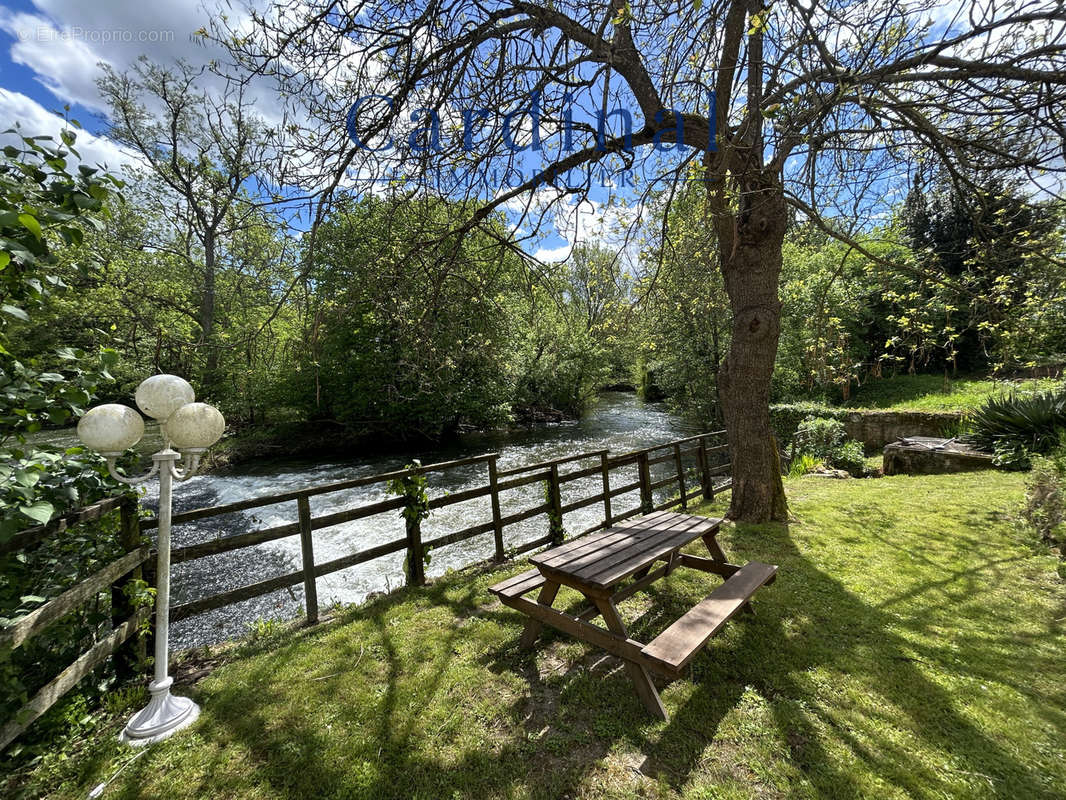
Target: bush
<point x="1007" y="423"/>
<point x="825" y="440"/>
<point x="821" y="438"/>
<point x="851" y="457"/>
<point x="785" y="418"/>
<point x="1045" y="497"/>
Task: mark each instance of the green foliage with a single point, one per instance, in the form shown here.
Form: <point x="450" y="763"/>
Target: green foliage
<point x="47" y="211"/>
<point x="413" y="489"/>
<point x="825" y="315"/>
<point x="859" y="647"/>
<point x="44" y="207"/>
<point x="684" y="321"/>
<point x="785" y="418"/>
<point x="802" y="464"/>
<point x="410" y="340"/>
<point x="850" y="456"/>
<point x="1002" y="304"/>
<point x="572" y="334"/>
<point x="826" y="441"/>
<point x="1045" y="496"/>
<point x="1008" y="423"/>
<point x="821" y="437"/>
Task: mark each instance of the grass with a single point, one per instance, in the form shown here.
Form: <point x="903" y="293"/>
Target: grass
<point x="935" y="393"/>
<point x="911" y="647"/>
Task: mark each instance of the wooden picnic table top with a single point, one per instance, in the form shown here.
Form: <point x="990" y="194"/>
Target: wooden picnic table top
<point x="602" y="560"/>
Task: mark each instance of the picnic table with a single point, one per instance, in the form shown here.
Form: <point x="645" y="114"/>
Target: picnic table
<point x="613" y="564"/>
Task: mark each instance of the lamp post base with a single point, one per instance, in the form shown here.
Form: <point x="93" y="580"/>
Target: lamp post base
<point x="164" y="715"/>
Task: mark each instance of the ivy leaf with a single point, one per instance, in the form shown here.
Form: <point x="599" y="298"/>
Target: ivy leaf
<point x="40" y="512"/>
<point x="15" y="312"/>
<point x="30" y="223"/>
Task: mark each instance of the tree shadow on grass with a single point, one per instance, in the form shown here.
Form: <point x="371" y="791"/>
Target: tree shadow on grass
<point x="838" y="631"/>
<point x="547" y="719"/>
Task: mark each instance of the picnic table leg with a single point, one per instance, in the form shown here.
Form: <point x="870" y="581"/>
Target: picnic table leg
<point x="715" y="549"/>
<point x="535" y="626"/>
<point x="646" y="690"/>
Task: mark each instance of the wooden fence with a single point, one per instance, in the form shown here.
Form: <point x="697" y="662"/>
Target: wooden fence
<point x="707" y="452"/>
<point x="125" y="620"/>
<point x="554" y="475"/>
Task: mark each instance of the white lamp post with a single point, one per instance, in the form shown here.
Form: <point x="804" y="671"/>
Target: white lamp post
<point x="191" y="428"/>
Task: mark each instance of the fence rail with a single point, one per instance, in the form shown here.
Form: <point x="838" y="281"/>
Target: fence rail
<point x="113" y="577"/>
<point x="554" y="475"/>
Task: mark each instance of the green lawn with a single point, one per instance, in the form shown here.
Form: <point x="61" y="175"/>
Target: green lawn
<point x="911" y="647"/>
<point x="934" y="393"/>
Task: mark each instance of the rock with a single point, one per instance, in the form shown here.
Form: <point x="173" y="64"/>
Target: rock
<point x="925" y="455"/>
<point x="826" y="472"/>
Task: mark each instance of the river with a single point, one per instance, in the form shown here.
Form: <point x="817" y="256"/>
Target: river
<point x="618" y="421"/>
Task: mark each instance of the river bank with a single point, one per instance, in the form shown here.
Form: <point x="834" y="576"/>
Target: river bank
<point x="616" y="421"/>
<point x="328" y="439"/>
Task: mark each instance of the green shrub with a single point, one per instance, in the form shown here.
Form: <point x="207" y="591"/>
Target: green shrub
<point x="785" y="418"/>
<point x="822" y="438"/>
<point x="802" y="464"/>
<point x="1009" y="422"/>
<point x="851" y="457"/>
<point x="1045" y="497"/>
<point x="826" y="440"/>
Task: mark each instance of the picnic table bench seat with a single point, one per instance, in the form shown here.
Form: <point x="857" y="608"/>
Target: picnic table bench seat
<point x="614" y="563"/>
<point x="675" y="647"/>
<point x="520" y="584"/>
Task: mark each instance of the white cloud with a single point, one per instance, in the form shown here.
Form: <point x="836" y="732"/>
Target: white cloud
<point x="34" y="120"/>
<point x="67" y="39"/>
<point x="588" y="221"/>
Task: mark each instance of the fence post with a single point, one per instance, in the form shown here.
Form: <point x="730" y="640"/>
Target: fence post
<point x="416" y="567"/>
<point x="555" y="524"/>
<point x="497" y="525"/>
<point x="706" y="483"/>
<point x="131" y="655"/>
<point x="646" y="504"/>
<point x="680" y="475"/>
<point x="307" y="551"/>
<point x="605" y="469"/>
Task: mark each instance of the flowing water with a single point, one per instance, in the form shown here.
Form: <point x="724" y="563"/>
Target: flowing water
<point x="618" y="421"/>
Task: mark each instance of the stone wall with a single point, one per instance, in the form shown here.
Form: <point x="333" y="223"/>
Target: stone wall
<point x="875" y="429"/>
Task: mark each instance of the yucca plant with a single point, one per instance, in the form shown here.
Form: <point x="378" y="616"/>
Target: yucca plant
<point x="1033" y="422"/>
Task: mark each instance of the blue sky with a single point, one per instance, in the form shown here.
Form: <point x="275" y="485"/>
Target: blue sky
<point x="49" y="51"/>
<point x="49" y="56"/>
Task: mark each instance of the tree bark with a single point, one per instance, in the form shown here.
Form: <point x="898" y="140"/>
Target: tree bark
<point x="750" y="239"/>
<point x="207" y="315"/>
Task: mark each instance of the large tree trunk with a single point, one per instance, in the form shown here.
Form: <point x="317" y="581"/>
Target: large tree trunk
<point x="750" y="239"/>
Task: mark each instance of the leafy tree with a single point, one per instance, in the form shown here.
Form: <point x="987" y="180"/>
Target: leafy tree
<point x="208" y="150"/>
<point x="406" y="343"/>
<point x="684" y="309"/>
<point x="1006" y="250"/>
<point x="816" y="107"/>
<point x="45" y="204"/>
<point x="49" y="204"/>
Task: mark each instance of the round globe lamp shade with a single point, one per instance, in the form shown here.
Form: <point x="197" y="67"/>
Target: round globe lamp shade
<point x="111" y="429"/>
<point x="162" y="395"/>
<point x="195" y="426"/>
